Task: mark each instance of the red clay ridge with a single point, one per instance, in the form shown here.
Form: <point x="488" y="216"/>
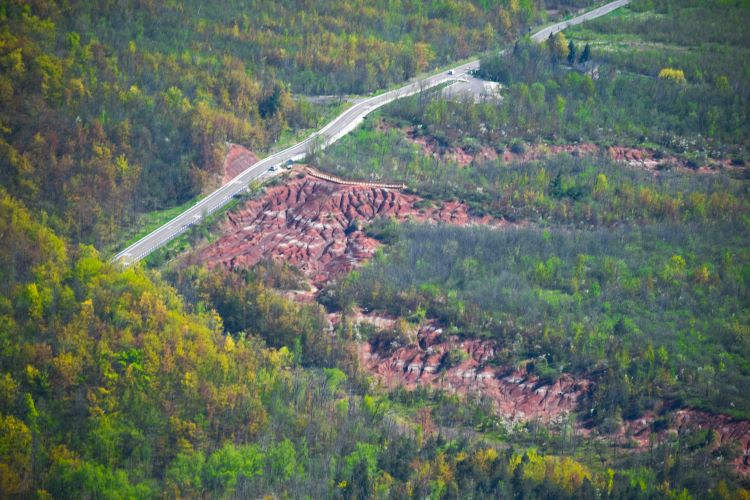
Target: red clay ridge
<point x="727" y="430"/>
<point x="238" y="160"/>
<point x="314" y="225"/>
<point x="646" y="158"/>
<point x="517" y="395"/>
<point x="520" y="396"/>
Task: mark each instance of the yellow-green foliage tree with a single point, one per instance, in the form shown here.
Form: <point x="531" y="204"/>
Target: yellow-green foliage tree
<point x="672" y="75"/>
<point x="559" y="47"/>
<point x="563" y="471"/>
<point x="93" y="357"/>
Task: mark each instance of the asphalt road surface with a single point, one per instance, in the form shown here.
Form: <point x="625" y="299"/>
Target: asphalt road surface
<point x="543" y="34"/>
<point x="334" y="130"/>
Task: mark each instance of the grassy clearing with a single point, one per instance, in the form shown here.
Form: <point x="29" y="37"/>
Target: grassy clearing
<point x="153" y="220"/>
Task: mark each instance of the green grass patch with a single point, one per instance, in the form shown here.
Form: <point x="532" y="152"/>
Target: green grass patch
<point x="151" y="221"/>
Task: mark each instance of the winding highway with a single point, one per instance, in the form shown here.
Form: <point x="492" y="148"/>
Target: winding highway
<point x="334" y="130"/>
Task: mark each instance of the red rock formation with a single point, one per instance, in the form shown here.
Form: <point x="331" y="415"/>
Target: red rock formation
<point x="518" y="396"/>
<point x="312" y="224"/>
<point x="238" y="160"/>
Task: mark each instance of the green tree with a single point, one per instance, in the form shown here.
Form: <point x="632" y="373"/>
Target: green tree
<point x="572" y="54"/>
<point x="585" y="55"/>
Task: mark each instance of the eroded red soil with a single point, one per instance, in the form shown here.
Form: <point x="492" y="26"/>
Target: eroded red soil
<point x="517" y="395"/>
<point x="432" y="148"/>
<point x="645" y="158"/>
<point x="238" y="159"/>
<point x="520" y="396"/>
<point x="315" y="225"/>
<point x="728" y="430"/>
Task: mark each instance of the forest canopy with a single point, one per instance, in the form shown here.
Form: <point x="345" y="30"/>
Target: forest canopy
<point x="187" y="381"/>
<point x="110" y="111"/>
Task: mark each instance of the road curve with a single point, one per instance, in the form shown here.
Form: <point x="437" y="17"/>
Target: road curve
<point x="337" y="128"/>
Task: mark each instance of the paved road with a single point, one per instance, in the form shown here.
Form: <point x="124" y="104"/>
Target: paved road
<point x="543" y="34"/>
<point x="334" y="130"/>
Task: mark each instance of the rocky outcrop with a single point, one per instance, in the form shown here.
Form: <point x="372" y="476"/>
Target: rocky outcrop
<point x="315" y="225"/>
<point x="517" y="395"/>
